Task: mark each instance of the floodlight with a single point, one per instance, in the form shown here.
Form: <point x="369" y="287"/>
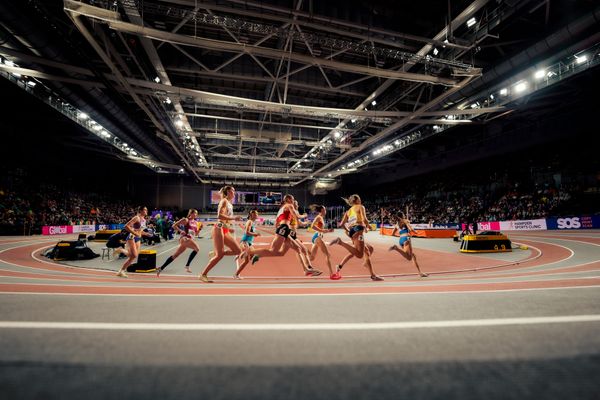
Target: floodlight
<point x="520" y="87"/>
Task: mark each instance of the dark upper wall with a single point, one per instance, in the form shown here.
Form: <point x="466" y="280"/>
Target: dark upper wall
<point x="184" y="192"/>
<point x="574" y="128"/>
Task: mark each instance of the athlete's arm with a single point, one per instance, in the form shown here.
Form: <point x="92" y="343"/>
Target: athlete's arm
<point x="364" y="217"/>
<point x="314" y="226"/>
<point x="222" y="209"/>
<point x="344" y="219"/>
<point x="129" y="225"/>
<point x="178" y="223"/>
<point x="295" y="212"/>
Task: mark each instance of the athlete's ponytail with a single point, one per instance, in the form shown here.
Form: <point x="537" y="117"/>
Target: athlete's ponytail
<point x="316" y="208"/>
<point x="352" y="200"/>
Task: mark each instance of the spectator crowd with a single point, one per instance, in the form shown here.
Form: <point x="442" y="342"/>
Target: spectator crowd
<point x="28" y="210"/>
<point x="443" y="199"/>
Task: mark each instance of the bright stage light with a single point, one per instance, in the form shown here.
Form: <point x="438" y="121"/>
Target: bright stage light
<point x="520" y="87"/>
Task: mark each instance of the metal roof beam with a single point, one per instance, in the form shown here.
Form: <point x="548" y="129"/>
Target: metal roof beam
<point x="224" y="136"/>
<point x="114" y="22"/>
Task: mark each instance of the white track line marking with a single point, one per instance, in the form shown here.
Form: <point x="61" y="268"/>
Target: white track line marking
<point x="22" y="245"/>
<point x="361" y="294"/>
<point x="169" y="249"/>
<point x="299" y="327"/>
<point x="557" y="237"/>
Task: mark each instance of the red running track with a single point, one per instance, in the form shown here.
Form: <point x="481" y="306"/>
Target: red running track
<point x="548" y="265"/>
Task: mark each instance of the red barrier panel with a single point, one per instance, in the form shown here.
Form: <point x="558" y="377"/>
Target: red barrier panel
<point x="424" y="233"/>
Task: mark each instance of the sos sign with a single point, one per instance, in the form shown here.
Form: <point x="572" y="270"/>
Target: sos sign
<point x="568" y="223"/>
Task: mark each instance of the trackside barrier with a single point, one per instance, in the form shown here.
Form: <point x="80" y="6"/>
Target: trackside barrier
<point x="68" y="229"/>
<point x="577" y="222"/>
<point x="517" y="225"/>
<point x="428" y="232"/>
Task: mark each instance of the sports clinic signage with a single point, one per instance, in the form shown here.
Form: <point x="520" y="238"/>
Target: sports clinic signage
<point x="524" y="225"/>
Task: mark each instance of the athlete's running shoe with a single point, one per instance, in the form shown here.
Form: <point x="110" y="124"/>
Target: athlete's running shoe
<point x="313" y="272"/>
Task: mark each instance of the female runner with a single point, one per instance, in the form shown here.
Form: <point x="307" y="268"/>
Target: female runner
<point x="186" y="240"/>
<point x="247" y="240"/>
<point x="135" y="227"/>
<point x="405" y="249"/>
<point x="303" y="255"/>
<point x="286" y="218"/>
<point x="221" y="232"/>
<point x="318" y="225"/>
<point x="355" y="221"/>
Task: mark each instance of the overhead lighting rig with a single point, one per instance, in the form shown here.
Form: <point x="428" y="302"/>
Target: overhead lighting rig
<point x="238" y="24"/>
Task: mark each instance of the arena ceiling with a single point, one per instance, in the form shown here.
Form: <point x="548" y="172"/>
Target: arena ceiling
<point x="287" y="92"/>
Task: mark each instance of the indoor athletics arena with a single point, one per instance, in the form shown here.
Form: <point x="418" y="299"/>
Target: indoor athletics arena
<point x="299" y="199"/>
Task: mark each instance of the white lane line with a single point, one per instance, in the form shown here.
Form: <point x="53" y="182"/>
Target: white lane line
<point x="501" y="292"/>
<point x="163" y="252"/>
<point x="24" y="245"/>
<point x="300" y="327"/>
<point x="568" y="240"/>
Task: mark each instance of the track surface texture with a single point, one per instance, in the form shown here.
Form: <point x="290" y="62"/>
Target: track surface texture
<point x="514" y="325"/>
